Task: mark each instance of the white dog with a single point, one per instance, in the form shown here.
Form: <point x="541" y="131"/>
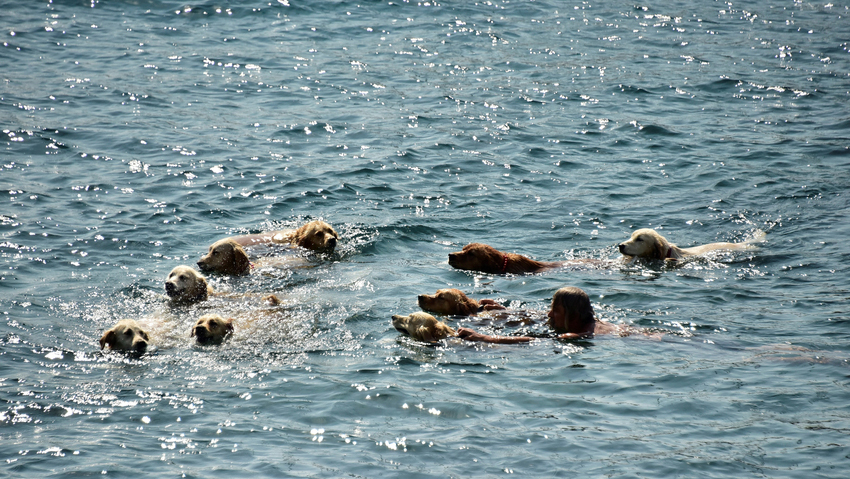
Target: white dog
<point x="184" y="285"/>
<point x="649" y="244"/>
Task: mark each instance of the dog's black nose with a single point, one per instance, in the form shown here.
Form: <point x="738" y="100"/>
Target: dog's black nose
<point x="331" y="242"/>
<point x="622" y="248"/>
<point x="201" y="334"/>
<point x="169" y="288"/>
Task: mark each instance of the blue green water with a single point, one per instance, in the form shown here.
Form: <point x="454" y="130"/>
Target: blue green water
<point x="136" y="133"/>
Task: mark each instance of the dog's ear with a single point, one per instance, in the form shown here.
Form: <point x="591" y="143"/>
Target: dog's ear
<point x="659" y="247"/>
<point x="107" y="338"/>
<point x="425" y="333"/>
<point x="241" y="263"/>
<point x="202" y="288"/>
<point x="467" y="305"/>
<point x="299" y="234"/>
<point x="446" y="330"/>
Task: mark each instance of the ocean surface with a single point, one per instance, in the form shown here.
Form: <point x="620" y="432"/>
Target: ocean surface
<point x="135" y="133"/>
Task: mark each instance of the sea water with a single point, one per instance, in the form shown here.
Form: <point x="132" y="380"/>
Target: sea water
<point x="136" y="133"/>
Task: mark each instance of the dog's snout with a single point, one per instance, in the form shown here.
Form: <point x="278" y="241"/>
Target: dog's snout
<point x="622" y="247"/>
<point x="169" y="288"/>
<point x="201" y="334"/>
<point x="140" y="346"/>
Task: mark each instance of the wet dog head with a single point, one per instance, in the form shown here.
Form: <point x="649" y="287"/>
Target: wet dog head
<point x="126" y="336"/>
<point x="645" y="243"/>
<point x="422" y="327"/>
<point x="185" y="285"/>
<point x="212" y="329"/>
<point x="225" y="257"/>
<point x="448" y="301"/>
<point x="478" y="257"/>
<point x="316" y="236"/>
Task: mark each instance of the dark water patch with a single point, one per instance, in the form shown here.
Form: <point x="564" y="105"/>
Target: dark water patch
<point x="840" y="152"/>
<point x="633" y="90"/>
<point x="655" y="130"/>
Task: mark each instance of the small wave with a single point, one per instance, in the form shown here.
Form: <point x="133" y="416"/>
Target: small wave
<point x="651" y="129"/>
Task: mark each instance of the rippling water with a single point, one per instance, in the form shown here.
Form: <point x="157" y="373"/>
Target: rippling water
<point x="136" y="133"/>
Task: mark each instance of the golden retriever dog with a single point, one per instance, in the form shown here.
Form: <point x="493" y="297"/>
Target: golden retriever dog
<point x="487" y="259"/>
<point x="212" y="329"/>
<point x="126" y="336"/>
<point x="184" y="285"/>
<point x="423" y="327"/>
<point x="226" y="256"/>
<point x="453" y="302"/>
<point x="649" y="244"/>
<point x="314" y="236"/>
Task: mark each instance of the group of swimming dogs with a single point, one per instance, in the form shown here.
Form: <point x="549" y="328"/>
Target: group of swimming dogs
<point x="571" y="315"/>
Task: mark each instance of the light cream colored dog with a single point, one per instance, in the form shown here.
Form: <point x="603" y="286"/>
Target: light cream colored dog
<point x="184" y="285"/>
<point x="228" y="256"/>
<point x="423" y="327"/>
<point x="649" y="244"/>
<point x="212" y="329"/>
<point x="314" y="236"/>
<point x="126" y="336"/>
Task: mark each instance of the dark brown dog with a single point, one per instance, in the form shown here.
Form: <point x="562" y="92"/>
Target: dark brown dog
<point x="487" y="259"/>
<point x="453" y="302"/>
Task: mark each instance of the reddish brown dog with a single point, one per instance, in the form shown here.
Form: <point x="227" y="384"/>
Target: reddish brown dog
<point x="453" y="302"/>
<point x="487" y="259"/>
